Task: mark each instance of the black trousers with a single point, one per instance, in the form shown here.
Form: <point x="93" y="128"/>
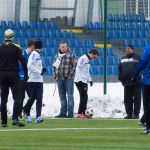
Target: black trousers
<point x="9" y="79"/>
<point x="132" y="99"/>
<point x="83" y="89"/>
<point x="146" y="102"/>
<point x="35" y="93"/>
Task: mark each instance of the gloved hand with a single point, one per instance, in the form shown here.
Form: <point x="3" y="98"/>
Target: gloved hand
<point x="44" y="70"/>
<point x="91" y="83"/>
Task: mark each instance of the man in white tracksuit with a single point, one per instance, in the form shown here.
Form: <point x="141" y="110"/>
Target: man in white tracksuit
<point x="35" y="83"/>
<point x="82" y="78"/>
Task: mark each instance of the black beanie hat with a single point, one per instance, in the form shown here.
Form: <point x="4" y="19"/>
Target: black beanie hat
<point x="131" y="46"/>
<point x="38" y="44"/>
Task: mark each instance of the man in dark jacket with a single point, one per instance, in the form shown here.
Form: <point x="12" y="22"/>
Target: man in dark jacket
<point x="10" y="55"/>
<point x="132" y="91"/>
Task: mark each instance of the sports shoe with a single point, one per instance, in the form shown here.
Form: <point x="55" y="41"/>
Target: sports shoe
<point x="28" y="119"/>
<point x="82" y="116"/>
<point x="4" y="125"/>
<point x="128" y="117"/>
<point x="39" y="120"/>
<point x="146" y="132"/>
<point x="135" y="117"/>
<point x="17" y="123"/>
<point x="60" y="116"/>
<point x="143" y="124"/>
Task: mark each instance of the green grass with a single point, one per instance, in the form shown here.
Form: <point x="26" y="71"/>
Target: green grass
<point x="91" y="139"/>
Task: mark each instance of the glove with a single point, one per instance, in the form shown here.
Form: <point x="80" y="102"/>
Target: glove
<point x="26" y="77"/>
<point x="91" y="83"/>
<point x="44" y="70"/>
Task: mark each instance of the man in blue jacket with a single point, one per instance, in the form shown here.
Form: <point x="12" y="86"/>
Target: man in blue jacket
<point x="144" y="65"/>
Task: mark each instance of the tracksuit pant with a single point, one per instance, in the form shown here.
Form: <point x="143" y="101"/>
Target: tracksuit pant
<point x="9" y="79"/>
<point x="83" y="89"/>
<point x="35" y="93"/>
<point x="132" y="99"/>
<point x="146" y="103"/>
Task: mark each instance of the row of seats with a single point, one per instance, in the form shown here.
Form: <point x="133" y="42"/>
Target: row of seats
<point x="78" y="51"/>
<point x="40" y="33"/>
<point x="119" y="26"/>
<point x="55" y="43"/>
<point x="26" y="25"/>
<point x="128" y="34"/>
<point x="100" y="70"/>
<point x="128" y="17"/>
<point x="113" y="70"/>
<point x="111" y="61"/>
<point x="137" y="43"/>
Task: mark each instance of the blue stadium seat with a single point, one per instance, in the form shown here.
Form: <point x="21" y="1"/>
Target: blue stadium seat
<point x="16" y="34"/>
<point x="123" y="17"/>
<point x="50" y="70"/>
<point x="21" y="42"/>
<point x="116" y="34"/>
<point x="98" y="25"/>
<point x="45" y="33"/>
<point x="136" y="26"/>
<point x="51" y="59"/>
<point x="25" y="24"/>
<point x="116" y="17"/>
<point x="130" y="26"/>
<point x="114" y="70"/>
<point x="148" y="25"/>
<point x="18" y="25"/>
<point x="4" y="24"/>
<point x="123" y="26"/>
<point x="109" y="70"/>
<point x="56" y="43"/>
<point x="135" y="17"/>
<point x="147" y="42"/>
<point x="46" y="61"/>
<point x="90" y="26"/>
<point x="115" y="60"/>
<point x="66" y="34"/>
<point x="109" y="52"/>
<point x="53" y="25"/>
<point x="110" y="61"/>
<point x="122" y="34"/>
<point x="135" y="34"/>
<point x="1" y="33"/>
<point x="101" y="60"/>
<point x="135" y="43"/>
<point x="30" y="33"/>
<point x="33" y="24"/>
<point x="47" y="52"/>
<point x="23" y="33"/>
<point x="117" y="26"/>
<point x="72" y="34"/>
<point x="51" y="34"/>
<point x="129" y="17"/>
<point x="142" y="26"/>
<point x="142" y="17"/>
<point x="91" y="44"/>
<point x="40" y="24"/>
<point x="129" y="34"/>
<point x="110" y="17"/>
<point x="54" y="51"/>
<point x="109" y="34"/>
<point x="37" y="33"/>
<point x="141" y="43"/>
<point x="95" y="62"/>
<point x="84" y="43"/>
<point x="93" y="70"/>
<point x="101" y="51"/>
<point x="127" y="42"/>
<point x="71" y="43"/>
<point x="58" y="34"/>
<point x="147" y="34"/>
<point x="142" y="34"/>
<point x="110" y="26"/>
<point x="46" y="24"/>
<point x="100" y="71"/>
<point x="11" y="24"/>
<point x="77" y="43"/>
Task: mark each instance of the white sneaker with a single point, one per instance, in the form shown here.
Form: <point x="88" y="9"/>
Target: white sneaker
<point x="39" y="120"/>
<point x="28" y="119"/>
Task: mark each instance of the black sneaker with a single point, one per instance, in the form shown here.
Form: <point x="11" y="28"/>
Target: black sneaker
<point x="146" y="132"/>
<point x="135" y="117"/>
<point x="143" y="124"/>
<point x="4" y="125"/>
<point x="17" y="123"/>
<point x="60" y="116"/>
<point x="70" y="116"/>
<point x="128" y="117"/>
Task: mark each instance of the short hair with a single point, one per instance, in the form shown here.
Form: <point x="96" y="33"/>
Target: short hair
<point x="30" y="43"/>
<point x="62" y="43"/>
<point x="94" y="52"/>
<point x="131" y="46"/>
<point x="38" y="44"/>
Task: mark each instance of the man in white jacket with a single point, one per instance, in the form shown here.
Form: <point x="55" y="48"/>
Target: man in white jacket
<point x="82" y="78"/>
<point x="35" y="83"/>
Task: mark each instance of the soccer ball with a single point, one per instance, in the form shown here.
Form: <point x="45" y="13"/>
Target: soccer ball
<point x="89" y="113"/>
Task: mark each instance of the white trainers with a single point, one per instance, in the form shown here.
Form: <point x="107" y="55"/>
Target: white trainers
<point x="28" y="119"/>
<point x="39" y="120"/>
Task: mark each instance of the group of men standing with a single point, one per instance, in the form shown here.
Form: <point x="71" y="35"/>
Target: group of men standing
<point x="23" y="71"/>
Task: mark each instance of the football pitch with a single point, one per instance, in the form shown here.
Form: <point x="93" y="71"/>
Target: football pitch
<point x="75" y="134"/>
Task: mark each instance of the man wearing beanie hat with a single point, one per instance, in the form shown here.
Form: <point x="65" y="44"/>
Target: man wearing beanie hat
<point x="35" y="83"/>
<point x="132" y="90"/>
<point x="10" y="55"/>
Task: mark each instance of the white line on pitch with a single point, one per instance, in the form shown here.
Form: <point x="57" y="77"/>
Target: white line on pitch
<point x="62" y="129"/>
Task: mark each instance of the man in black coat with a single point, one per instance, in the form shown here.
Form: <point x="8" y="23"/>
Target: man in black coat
<point x="132" y="90"/>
